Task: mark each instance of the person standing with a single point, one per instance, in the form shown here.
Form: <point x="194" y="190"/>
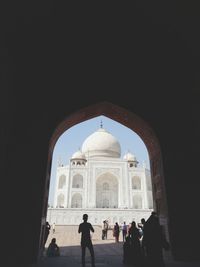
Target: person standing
<point x="141" y="226"/>
<point x="46" y="232"/>
<point x="84" y="229"/>
<point x="124" y="231"/>
<point x="53" y="227"/>
<point x="136" y="253"/>
<point x="103" y="230"/>
<point x="153" y="241"/>
<point x="106" y="229"/>
<point x="116" y="232"/>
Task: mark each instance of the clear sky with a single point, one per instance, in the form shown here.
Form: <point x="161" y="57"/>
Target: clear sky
<point x="72" y="140"/>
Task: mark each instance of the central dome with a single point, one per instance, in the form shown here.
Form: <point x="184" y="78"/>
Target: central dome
<point x="101" y="144"/>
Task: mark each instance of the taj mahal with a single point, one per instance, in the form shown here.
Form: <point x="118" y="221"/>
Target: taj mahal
<point x="101" y="183"/>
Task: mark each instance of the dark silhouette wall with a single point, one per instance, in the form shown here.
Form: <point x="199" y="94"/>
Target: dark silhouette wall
<point x="55" y="63"/>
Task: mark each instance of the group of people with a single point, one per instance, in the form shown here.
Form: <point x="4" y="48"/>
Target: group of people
<point x="143" y="243"/>
<point x="124" y="228"/>
<point x="117" y="229"/>
<point x="53" y="250"/>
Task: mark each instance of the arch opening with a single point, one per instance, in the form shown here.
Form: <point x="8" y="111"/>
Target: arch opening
<point x="140" y="127"/>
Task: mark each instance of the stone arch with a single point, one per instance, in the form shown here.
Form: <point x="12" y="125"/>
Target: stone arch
<point x="136" y="182"/>
<point x="76" y="201"/>
<point x="60" y="200"/>
<point x="62" y="181"/>
<point x="140" y="127"/>
<point x="77" y="181"/>
<point x="107" y="191"/>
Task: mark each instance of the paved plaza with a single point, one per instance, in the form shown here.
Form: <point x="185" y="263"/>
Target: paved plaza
<point x="107" y="252"/>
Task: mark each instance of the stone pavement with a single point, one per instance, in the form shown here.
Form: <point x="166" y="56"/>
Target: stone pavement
<point x="107" y="252"/>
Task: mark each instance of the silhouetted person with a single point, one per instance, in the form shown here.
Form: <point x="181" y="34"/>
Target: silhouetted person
<point x="116" y="232"/>
<point x="106" y="229"/>
<point x="152" y="240"/>
<point x="142" y="223"/>
<point x="127" y="257"/>
<point x="136" y="253"/>
<point x="53" y="249"/>
<point x="46" y="232"/>
<point x="85" y="229"/>
<point x="124" y="231"/>
<point x="141" y="226"/>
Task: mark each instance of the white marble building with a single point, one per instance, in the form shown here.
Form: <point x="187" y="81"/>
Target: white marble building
<point x="99" y="182"/>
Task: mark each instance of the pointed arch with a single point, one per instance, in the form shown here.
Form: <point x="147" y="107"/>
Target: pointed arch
<point x="137" y="202"/>
<point x="77" y="181"/>
<point x="62" y="181"/>
<point x="140" y="127"/>
<point x="76" y="201"/>
<point x="60" y="200"/>
<point x="136" y="182"/>
<point x="107" y="191"/>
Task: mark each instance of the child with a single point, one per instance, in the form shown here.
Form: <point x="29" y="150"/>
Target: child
<point x="53" y="249"/>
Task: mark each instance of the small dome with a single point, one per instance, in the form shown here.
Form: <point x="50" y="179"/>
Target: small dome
<point x="78" y="155"/>
<point x="101" y="144"/>
<point x="130" y="157"/>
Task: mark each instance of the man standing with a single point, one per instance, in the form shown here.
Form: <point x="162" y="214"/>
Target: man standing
<point x="46" y="232"/>
<point x="86" y="241"/>
<point x="124" y="231"/>
<point x="106" y="229"/>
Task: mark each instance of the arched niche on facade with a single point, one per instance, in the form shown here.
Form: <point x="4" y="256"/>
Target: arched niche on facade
<point x="107" y="191"/>
<point x="77" y="181"/>
<point x="76" y="201"/>
<point x="137" y="202"/>
<point x="136" y="182"/>
<point x="60" y="201"/>
<point x="62" y="181"/>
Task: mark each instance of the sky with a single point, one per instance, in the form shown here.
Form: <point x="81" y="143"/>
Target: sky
<point x="72" y="139"/>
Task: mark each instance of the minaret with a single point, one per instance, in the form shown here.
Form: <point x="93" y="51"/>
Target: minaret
<point x="59" y="161"/>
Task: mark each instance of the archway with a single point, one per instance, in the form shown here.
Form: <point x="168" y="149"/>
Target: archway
<point x="77" y="181"/>
<point x="140" y="127"/>
<point x="76" y="201"/>
<point x="107" y="191"/>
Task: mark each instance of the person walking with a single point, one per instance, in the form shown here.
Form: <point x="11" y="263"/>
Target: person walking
<point x="85" y="228"/>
